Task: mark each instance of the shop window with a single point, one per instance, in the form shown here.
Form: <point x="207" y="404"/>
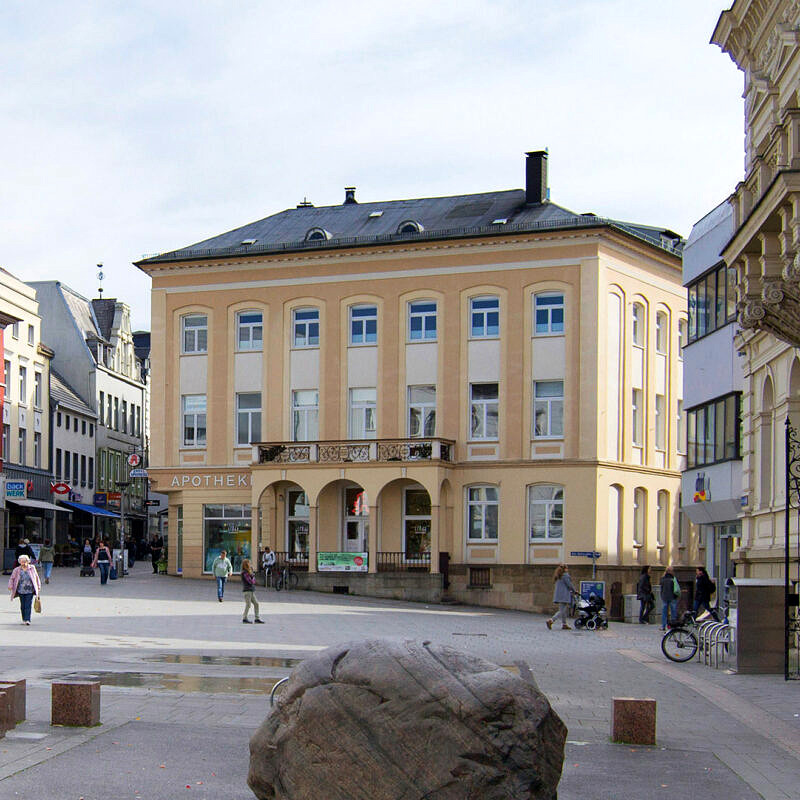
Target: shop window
<point x="484" y="315"/>
<point x="482" y="513"/>
<point x="297" y="517"/>
<point x="250" y="330"/>
<point x="546" y="512"/>
<point x="416" y="523"/>
<point x="226" y="527"/>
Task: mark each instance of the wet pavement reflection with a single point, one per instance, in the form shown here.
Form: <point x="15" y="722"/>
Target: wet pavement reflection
<point x="228" y="661"/>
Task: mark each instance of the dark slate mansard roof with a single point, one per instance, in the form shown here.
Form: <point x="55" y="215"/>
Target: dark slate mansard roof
<point x="460" y="216"/>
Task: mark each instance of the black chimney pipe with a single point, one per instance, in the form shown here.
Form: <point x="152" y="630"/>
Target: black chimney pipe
<point x="350" y="195"/>
<point x="536" y="177"/>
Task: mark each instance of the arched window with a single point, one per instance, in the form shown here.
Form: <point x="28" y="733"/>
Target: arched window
<point x="249" y="330"/>
<point x="662" y="332"/>
<point x="766" y="439"/>
<point x="639" y="333"/>
<point x="639" y="516"/>
<point x="662" y="515"/>
<point x="317" y="234"/>
<point x="483" y="504"/>
<point x="410" y="226"/>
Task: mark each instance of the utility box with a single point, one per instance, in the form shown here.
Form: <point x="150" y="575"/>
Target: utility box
<point x="756" y="616"/>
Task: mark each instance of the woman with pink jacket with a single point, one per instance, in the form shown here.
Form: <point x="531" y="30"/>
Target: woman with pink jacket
<point x="24" y="583"/>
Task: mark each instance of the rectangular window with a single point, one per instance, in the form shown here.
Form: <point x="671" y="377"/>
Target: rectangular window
<point x="30" y="334"/>
<point x="57" y="465"/>
<point x="484" y="313"/>
<point x="83" y="427"/>
<point x="7" y="378"/>
<point x="639" y="516"/>
<point x="482" y="513"/>
<point x="116" y="413"/>
<point x="102" y="414"/>
<point x="102" y="470"/>
<point x="75" y="462"/>
<point x="683" y="337"/>
<point x="15" y="330"/>
<point x="714" y="431"/>
<point x="548" y="314"/>
<point x="138" y="420"/>
<point x="639" y="333"/>
<point x="297" y="516"/>
<point x="305" y="327"/>
<point x="226" y="527"/>
<point x="680" y="431"/>
<point x="363" y="413"/>
<point x="546" y="512"/>
<point x="305" y="415"/>
<point x="109" y="413"/>
<point x="662" y="332"/>
<point x="195" y="333"/>
<point x="250" y="330"/>
<point x="75" y="424"/>
<point x="712" y="301"/>
<point x="730" y="304"/>
<point x="422" y="320"/>
<point x="637" y="418"/>
<point x="23" y="446"/>
<point x="91" y="472"/>
<point x="83" y="470"/>
<point x="67" y="466"/>
<point x="421" y="411"/>
<point x="58" y="419"/>
<point x="416" y="523"/>
<point x="248" y="418"/>
<point x="124" y="416"/>
<point x="483" y="411"/>
<point x="661" y="422"/>
<point x="37" y="449"/>
<point x="363" y="324"/>
<point x="548" y="409"/>
<point x="66" y="422"/>
<point x="91" y="430"/>
<point x="132" y="422"/>
<point x="194" y="420"/>
<point x="23" y="385"/>
<point x="37" y="389"/>
<point x="4" y="450"/>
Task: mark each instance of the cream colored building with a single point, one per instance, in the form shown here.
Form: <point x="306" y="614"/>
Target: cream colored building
<point x="763" y="39"/>
<point x="489" y="376"/>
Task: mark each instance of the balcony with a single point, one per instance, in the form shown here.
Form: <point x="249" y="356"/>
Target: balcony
<point x="354" y="451"/>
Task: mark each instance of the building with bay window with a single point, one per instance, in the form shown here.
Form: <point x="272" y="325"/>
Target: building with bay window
<point x="413" y="396"/>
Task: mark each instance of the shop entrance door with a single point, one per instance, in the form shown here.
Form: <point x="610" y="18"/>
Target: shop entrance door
<point x="356" y="521"/>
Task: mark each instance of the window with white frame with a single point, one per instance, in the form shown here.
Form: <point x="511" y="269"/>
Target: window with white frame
<point x="248" y="417"/>
<point x="363" y="324"/>
<point x="548" y="310"/>
<point x="662" y="518"/>
<point x="7" y="378"/>
<point x="421" y="411"/>
<point x="546" y="512"/>
<point x="124" y="416"/>
<point x="483" y="411"/>
<point x="662" y="332"/>
<point x="195" y="333"/>
<point x="305" y="327"/>
<point x="484" y="315"/>
<point x="422" y="320"/>
<point x="6" y="442"/>
<point x="639" y="333"/>
<point x="362" y="413"/>
<point x="482" y="513"/>
<point x="683" y="336"/>
<point x="249" y="330"/>
<point x="548" y="409"/>
<point x="23" y="385"/>
<point x="23" y="446"/>
<point x="297" y="520"/>
<point x="30" y="334"/>
<point x="37" y="389"/>
<point x="15" y="330"/>
<point x="37" y="449"/>
<point x="194" y="420"/>
<point x="661" y="422"/>
<point x="305" y="415"/>
<point x="639" y="515"/>
<point x="637" y="418"/>
<point x="680" y="431"/>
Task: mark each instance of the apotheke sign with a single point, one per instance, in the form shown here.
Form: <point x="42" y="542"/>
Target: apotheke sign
<point x="230" y="480"/>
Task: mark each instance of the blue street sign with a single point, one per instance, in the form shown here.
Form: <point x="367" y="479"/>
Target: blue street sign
<point x="587" y="553"/>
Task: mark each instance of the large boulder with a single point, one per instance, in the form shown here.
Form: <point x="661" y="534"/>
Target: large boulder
<point x="393" y="720"/>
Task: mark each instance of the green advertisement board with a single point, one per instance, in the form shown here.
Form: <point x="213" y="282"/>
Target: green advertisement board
<point x="341" y="562"/>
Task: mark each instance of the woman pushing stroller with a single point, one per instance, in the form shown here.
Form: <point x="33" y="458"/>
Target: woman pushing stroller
<point x="562" y="597"/>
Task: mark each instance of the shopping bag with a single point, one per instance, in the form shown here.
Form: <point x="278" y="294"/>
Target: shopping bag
<point x="37" y="605"/>
<point x="113" y="573"/>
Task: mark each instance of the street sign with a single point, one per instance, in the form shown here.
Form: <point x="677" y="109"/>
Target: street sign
<point x="152" y="502"/>
<point x="138" y="473"/>
<point x="587" y="553"/>
<point x="134" y="459"/>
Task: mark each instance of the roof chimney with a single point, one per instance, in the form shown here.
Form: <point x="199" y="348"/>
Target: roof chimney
<point x="350" y="195"/>
<point x="536" y="190"/>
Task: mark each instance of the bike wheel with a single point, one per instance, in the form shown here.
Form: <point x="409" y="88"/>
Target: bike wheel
<point x="292" y="582"/>
<point x="679" y="645"/>
<point x="279" y="583"/>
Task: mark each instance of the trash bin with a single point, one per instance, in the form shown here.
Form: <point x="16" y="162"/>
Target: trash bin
<point x="756" y="617"/>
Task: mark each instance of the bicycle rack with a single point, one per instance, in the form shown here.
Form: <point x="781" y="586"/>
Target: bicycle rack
<point x="274" y="689"/>
<point x="711" y="638"/>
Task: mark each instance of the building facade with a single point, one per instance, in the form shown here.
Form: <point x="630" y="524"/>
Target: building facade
<point x="711" y="488"/>
<point x="763" y="37"/>
<point x="482" y="385"/>
<point x="30" y="512"/>
<point x="96" y="359"/>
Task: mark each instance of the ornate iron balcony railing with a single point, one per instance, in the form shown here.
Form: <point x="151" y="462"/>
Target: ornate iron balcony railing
<point x="350" y="451"/>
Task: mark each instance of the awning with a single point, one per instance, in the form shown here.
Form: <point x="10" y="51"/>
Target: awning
<point x="96" y="510"/>
<point x="29" y="502"/>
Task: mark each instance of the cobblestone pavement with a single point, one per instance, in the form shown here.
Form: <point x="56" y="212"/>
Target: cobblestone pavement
<point x="185" y="684"/>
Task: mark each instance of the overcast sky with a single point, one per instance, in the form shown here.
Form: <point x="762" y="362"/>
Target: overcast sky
<point x="135" y="127"/>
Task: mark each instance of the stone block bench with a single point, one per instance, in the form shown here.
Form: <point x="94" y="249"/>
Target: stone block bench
<point x="75" y="703"/>
<point x="633" y="720"/>
<point x="12" y="704"/>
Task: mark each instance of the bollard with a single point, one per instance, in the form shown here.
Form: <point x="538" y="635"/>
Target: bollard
<point x="633" y="720"/>
<point x="17" y="689"/>
<point x="75" y="703"/>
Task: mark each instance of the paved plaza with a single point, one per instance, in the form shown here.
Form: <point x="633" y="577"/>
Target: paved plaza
<point x="185" y="684"/>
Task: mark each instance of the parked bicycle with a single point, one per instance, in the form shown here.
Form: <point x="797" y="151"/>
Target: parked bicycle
<point x="681" y="642"/>
<point x="286" y="579"/>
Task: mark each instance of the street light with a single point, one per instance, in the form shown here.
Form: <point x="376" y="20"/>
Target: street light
<point x="122" y="486"/>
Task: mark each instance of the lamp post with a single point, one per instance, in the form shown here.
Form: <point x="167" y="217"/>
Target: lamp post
<point x="122" y="486"/>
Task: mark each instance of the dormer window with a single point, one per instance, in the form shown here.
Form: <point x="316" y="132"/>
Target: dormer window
<point x="410" y="226"/>
<point x="317" y="235"/>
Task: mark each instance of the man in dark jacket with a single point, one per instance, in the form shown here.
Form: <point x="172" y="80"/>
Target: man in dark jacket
<point x="644" y="594"/>
<point x="156" y="546"/>
<point x="703" y="589"/>
<point x="670" y="592"/>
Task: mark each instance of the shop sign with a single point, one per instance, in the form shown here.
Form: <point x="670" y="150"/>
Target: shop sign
<point x="342" y="562"/>
<point x="230" y="480"/>
<point x="597" y="588"/>
<point x="134" y="459"/>
<point x="16" y="489"/>
<point x="100" y="499"/>
<point x="114" y="499"/>
<point x="59" y="488"/>
<point x="138" y="473"/>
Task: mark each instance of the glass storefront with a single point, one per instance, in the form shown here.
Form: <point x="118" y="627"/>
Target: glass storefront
<point x="417" y="523"/>
<point x="296" y="522"/>
<point x="226" y="527"/>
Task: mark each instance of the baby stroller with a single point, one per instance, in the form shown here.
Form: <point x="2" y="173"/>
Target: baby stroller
<point x="591" y="613"/>
<point x="87" y="571"/>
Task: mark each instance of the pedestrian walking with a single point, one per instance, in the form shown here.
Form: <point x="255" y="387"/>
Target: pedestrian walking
<point x="24" y="548"/>
<point x="644" y="594"/>
<point x="24" y="583"/>
<point x="156" y="546"/>
<point x="704" y="587"/>
<point x="47" y="555"/>
<point x="221" y="569"/>
<point x="562" y="596"/>
<point x="130" y="546"/>
<point x="102" y="560"/>
<point x="670" y="592"/>
<point x="249" y="592"/>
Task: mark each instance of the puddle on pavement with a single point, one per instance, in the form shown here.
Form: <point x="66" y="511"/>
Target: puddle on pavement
<point x="228" y="661"/>
<point x="174" y="683"/>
